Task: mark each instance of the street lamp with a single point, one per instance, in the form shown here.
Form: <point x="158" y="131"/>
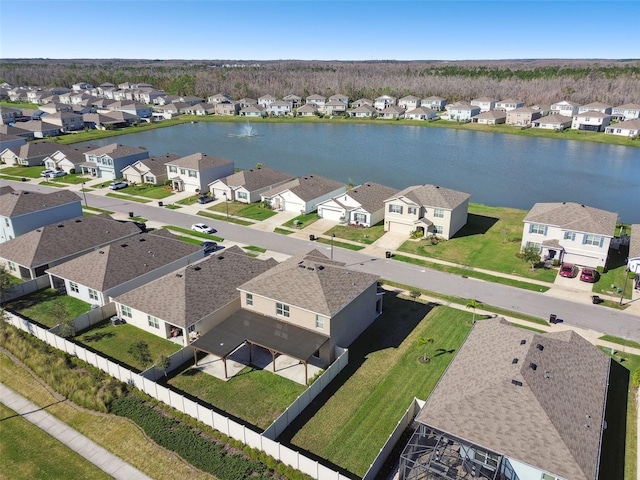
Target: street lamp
<point x="333" y="235"/>
<point x="226" y="204"/>
<point x="84" y="194"/>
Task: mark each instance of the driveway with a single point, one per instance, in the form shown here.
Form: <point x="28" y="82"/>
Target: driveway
<point x="390" y="241"/>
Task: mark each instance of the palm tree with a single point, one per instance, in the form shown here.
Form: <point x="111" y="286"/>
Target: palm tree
<point x="473" y="304"/>
<point x="425" y="341"/>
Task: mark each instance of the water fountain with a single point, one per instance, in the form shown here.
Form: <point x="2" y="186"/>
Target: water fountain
<point x="247" y="131"/>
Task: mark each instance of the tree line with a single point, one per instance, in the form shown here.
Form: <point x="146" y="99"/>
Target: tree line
<point x="533" y="81"/>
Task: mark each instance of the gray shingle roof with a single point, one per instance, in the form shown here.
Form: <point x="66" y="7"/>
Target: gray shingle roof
<point x="633" y="124"/>
<point x="155" y="165"/>
<point x="634" y="243"/>
<point x="371" y="195"/>
<point x="184" y="297"/>
<point x="199" y="161"/>
<point x="433" y="196"/>
<point x="542" y="420"/>
<point x="495" y="114"/>
<point x="574" y="216"/>
<point x="38" y="149"/>
<point x="256" y="178"/>
<point x="22" y="202"/>
<point x="312" y="282"/>
<point x="122" y="261"/>
<point x="307" y="188"/>
<point x="115" y="150"/>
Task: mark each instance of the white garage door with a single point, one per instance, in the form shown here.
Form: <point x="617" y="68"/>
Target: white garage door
<point x="400" y="227"/>
<point x="580" y="260"/>
<point x="330" y="214"/>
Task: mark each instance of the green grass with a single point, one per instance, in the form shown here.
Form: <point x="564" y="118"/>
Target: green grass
<point x="193" y="241"/>
<point x="115" y="340"/>
<point x="189" y="200"/>
<point x="490" y="240"/>
<point x="254" y="211"/>
<point x="51" y="183"/>
<point x="349" y="246"/>
<point x="128" y="197"/>
<point x="255" y="249"/>
<point x="9" y="103"/>
<point x="39" y="306"/>
<point x="30" y="453"/>
<point x="222" y="218"/>
<point x="69" y="179"/>
<point x="257" y="396"/>
<point x="614" y="280"/>
<point x="381" y="380"/>
<point x="138" y="219"/>
<point x="621" y="341"/>
<point x="98" y="210"/>
<point x="11" y="177"/>
<point x="148" y="191"/>
<point x="282" y="231"/>
<point x="302" y="221"/>
<point x="173" y="207"/>
<point x="357" y="234"/>
<point x="187" y="231"/>
<point x="28" y="172"/>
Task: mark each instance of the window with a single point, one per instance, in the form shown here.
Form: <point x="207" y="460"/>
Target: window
<point x="412" y="210"/>
<point x="6" y="222"/>
<point x="490" y="459"/>
<point x="537" y="228"/>
<point x="173" y="169"/>
<point x="591" y="239"/>
<point x="319" y="322"/>
<point x="93" y="295"/>
<point x="193" y="173"/>
<point x="12" y="267"/>
<point x="149" y="179"/>
<point x="395" y="208"/>
<point x="534" y="244"/>
<point x="153" y="321"/>
<point x="438" y="229"/>
<point x="570" y="235"/>
<point x="546" y="476"/>
<point x="249" y="299"/>
<point x="241" y="195"/>
<point x="360" y="217"/>
<point x="126" y="311"/>
<point x="73" y="286"/>
<point x="183" y="171"/>
<point x="282" y="310"/>
<point x="438" y="213"/>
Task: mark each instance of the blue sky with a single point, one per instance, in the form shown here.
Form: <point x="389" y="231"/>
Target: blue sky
<point x="319" y="30"/>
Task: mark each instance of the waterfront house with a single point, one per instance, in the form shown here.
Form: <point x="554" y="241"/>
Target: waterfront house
<point x="492" y="117"/>
<point x="570" y="232"/>
<point x="67" y="158"/>
<point x="294" y="100"/>
<point x="303" y="194"/>
<point x="265" y="100"/>
<point x="107" y="162"/>
<point x="462" y="112"/>
<point x="246" y="186"/>
<point x="247" y="102"/>
<point x="392" y="112"/>
<point x="254" y="111"/>
<point x="565" y="107"/>
<point x="195" y="172"/>
<point x="30" y="154"/>
<point x="361" y="206"/>
<point x="339" y="97"/>
<point x="67" y="121"/>
<point x="317" y="100"/>
<point x="421" y="113"/>
<point x="384" y="101"/>
<point x="152" y="171"/>
<point x="232" y="108"/>
<point x="335" y="107"/>
<point x="633" y="260"/>
<point x="409" y="102"/>
<point x="360" y="102"/>
<point x="522" y="116"/>
<point x="592" y="121"/>
<point x="307" y="110"/>
<point x="201" y="109"/>
<point x="434" y="103"/>
<point x="485" y="103"/>
<point x="552" y="122"/>
<point x="40" y="129"/>
<point x="363" y="111"/>
<point x="628" y="111"/>
<point x="630" y="128"/>
<point x="219" y="98"/>
<point x="595" y="107"/>
<point x="429" y="209"/>
<point x="509" y="104"/>
<point x="279" y="108"/>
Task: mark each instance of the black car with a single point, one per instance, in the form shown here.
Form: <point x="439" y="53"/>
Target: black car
<point x="204" y="199"/>
<point x="209" y="246"/>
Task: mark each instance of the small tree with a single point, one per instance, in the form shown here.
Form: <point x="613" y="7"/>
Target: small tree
<point x="531" y="254"/>
<point x="60" y="312"/>
<point x="506" y="233"/>
<point x="415" y="294"/>
<point x="140" y="351"/>
<point x="473" y="304"/>
<point x="425" y="342"/>
<point x="5" y="281"/>
<point x="163" y="363"/>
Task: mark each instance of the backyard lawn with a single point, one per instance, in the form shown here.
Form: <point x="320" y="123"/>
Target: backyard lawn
<point x="254" y="211"/>
<point x="365" y="402"/>
<point x="490" y="240"/>
<point x="115" y="341"/>
<point x="256" y="396"/>
<point x="357" y="234"/>
<point x="48" y="307"/>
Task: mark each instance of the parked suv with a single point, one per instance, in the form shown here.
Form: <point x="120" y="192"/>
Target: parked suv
<point x="118" y="185"/>
<point x="589" y="275"/>
<point x="568" y="270"/>
<point x="204" y="199"/>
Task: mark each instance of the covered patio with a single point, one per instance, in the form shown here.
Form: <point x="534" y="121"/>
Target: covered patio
<point x="234" y="340"/>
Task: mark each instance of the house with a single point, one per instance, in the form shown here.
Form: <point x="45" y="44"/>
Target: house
<point x="552" y="122"/>
<point x="384" y="101"/>
<point x="339" y="97"/>
<point x="254" y="111"/>
<point x="149" y="96"/>
<point x="522" y="116"/>
<point x="335" y="107"/>
<point x="201" y="109"/>
<point x="31" y="254"/>
<point x="629" y="128"/>
<point x="247" y="102"/>
<point x="152" y="171"/>
<point x="566" y="108"/>
<point x="294" y="100"/>
<point x="485" y="103"/>
<point x="310" y="292"/>
<point x="633" y="260"/>
<point x="279" y="108"/>
<point x="52" y="108"/>
<point x="232" y="108"/>
<point x="429" y="209"/>
<point x="98" y="276"/>
<point x="9" y="115"/>
<point x="307" y="110"/>
<point x="492" y="117"/>
<point x="462" y="112"/>
<point x="434" y="103"/>
<point x="24" y="211"/>
<point x="543" y="399"/>
<point x="103" y="121"/>
<point x="265" y="100"/>
<point x="246" y="186"/>
<point x="40" y="129"/>
<point x="362" y="205"/>
<point x="134" y="108"/>
<point x="592" y="121"/>
<point x="191" y="100"/>
<point x="67" y="121"/>
<point x="195" y="172"/>
<point x="392" y="112"/>
<point x="107" y="162"/>
<point x="509" y="104"/>
<point x="192" y="299"/>
<point x="219" y="98"/>
<point x="360" y="102"/>
<point x="81" y="86"/>
<point x="303" y="194"/>
<point x="628" y="111"/>
<point x="11" y="141"/>
<point x="363" y="111"/>
<point x="30" y="154"/>
<point x="570" y="232"/>
<point x="409" y="102"/>
<point x="317" y="100"/>
<point x="67" y="158"/>
<point x="421" y="113"/>
<point x="595" y="107"/>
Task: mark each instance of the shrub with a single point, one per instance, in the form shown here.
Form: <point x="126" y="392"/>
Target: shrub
<point x="416" y="234"/>
<point x="636" y="378"/>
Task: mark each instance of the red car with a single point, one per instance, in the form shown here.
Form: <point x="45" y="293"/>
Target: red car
<point x="589" y="275"/>
<point x="568" y="270"/>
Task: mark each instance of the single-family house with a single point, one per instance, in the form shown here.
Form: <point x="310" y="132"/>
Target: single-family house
<point x="335" y="107"/>
<point x="462" y="112"/>
<point x="11" y="141"/>
<point x="24" y="211"/>
<point x="362" y="101"/>
<point x="509" y="104"/>
<point x="152" y="171"/>
<point x="246" y="102"/>
<point x="194" y="299"/>
<point x="253" y="111"/>
<point x="67" y="158"/>
<point x="134" y="108"/>
<point x="294" y="100"/>
<point x="149" y="96"/>
<point x="246" y="186"/>
<point x="570" y="232"/>
<point x="429" y="209"/>
<point x="565" y="107"/>
<point x="361" y="206"/>
<point x="279" y="108"/>
<point x="629" y="128"/>
<point x="98" y="276"/>
<point x="303" y="194"/>
<point x="522" y="116"/>
<point x="219" y="98"/>
<point x="52" y="108"/>
<point x="30" y="154"/>
<point x="170" y="110"/>
<point x="107" y="162"/>
<point x="9" y="115"/>
<point x="307" y="110"/>
<point x="339" y="97"/>
<point x="231" y="108"/>
<point x="392" y="112"/>
<point x="195" y="172"/>
<point x="265" y="100"/>
<point x="434" y="103"/>
<point x="628" y="111"/>
<point x="40" y="129"/>
<point x="31" y="254"/>
<point x="67" y="121"/>
<point x="81" y="86"/>
<point x="409" y="102"/>
<point x="421" y="113"/>
<point x="317" y="100"/>
<point x="552" y="122"/>
<point x="592" y="121"/>
<point x="595" y="107"/>
<point x="190" y="99"/>
<point x="514" y="405"/>
<point x="363" y="111"/>
<point x="384" y="101"/>
<point x="485" y="103"/>
<point x="633" y="260"/>
<point x="201" y="109"/>
<point x="492" y="117"/>
<point x="167" y="100"/>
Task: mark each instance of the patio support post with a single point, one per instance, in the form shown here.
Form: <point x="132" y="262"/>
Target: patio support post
<point x="273" y="359"/>
<point x="250" y="359"/>
<point x="224" y="360"/>
<point x="195" y="356"/>
<point x="306" y="374"/>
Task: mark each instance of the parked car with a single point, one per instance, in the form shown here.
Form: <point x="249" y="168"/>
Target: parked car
<point x="118" y="185"/>
<point x="58" y="173"/>
<point x="589" y="275"/>
<point x="209" y="246"/>
<point x="46" y="173"/>
<point x="202" y="199"/>
<point x="568" y="270"/>
<point x="202" y="228"/>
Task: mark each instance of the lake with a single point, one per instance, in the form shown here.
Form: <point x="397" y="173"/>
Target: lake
<point x="496" y="169"/>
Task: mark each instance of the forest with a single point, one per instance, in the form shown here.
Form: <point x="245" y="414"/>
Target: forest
<point x="613" y="82"/>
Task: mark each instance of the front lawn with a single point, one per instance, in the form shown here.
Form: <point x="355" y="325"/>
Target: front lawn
<point x="302" y="221"/>
<point x="614" y="281"/>
<point x="27" y="172"/>
<point x="189" y="200"/>
<point x="128" y="197"/>
<point x="72" y="179"/>
<point x="351" y="424"/>
<point x="222" y="218"/>
<point x="148" y="191"/>
<point x="254" y="211"/>
<point x="254" y="395"/>
<point x="335" y="243"/>
<point x="357" y="234"/>
<point x="45" y="307"/>
<point x="115" y="341"/>
<point x="490" y="240"/>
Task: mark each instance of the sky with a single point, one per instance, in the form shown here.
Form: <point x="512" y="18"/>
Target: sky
<point x="320" y="29"/>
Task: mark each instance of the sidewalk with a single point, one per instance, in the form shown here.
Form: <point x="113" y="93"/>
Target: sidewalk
<point x="80" y="444"/>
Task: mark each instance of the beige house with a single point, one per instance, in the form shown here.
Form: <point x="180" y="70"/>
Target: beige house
<point x="565" y="107"/>
<point x="362" y="205"/>
<point x="485" y="103"/>
<point x="429" y="209"/>
<point x="509" y="104"/>
<point x="630" y="128"/>
<point x="303" y="194"/>
<point x="195" y="172"/>
<point x="246" y="186"/>
<point x="552" y="122"/>
<point x="421" y="113"/>
<point x="522" y="116"/>
<point x="592" y="121"/>
<point x="492" y="117"/>
<point x="150" y="170"/>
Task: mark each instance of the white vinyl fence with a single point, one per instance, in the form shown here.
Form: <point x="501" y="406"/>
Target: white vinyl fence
<point x="215" y="420"/>
<point x="25" y="288"/>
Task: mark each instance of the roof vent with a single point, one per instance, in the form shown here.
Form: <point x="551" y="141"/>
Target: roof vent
<point x="320" y="267"/>
<point x="517" y="383"/>
<point x="540" y="347"/>
<point x="514" y="361"/>
<point x="78" y="221"/>
<point x="101" y="252"/>
<point x="178" y="275"/>
<point x="220" y="257"/>
<point x="124" y="245"/>
<point x="310" y="268"/>
<point x="197" y="268"/>
<point x="60" y="226"/>
<point x="142" y="239"/>
<point x="533" y="366"/>
<point x="522" y="342"/>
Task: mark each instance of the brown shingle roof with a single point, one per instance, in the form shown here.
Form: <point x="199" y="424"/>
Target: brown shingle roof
<point x="115" y="150"/>
<point x="433" y="196"/>
<point x="199" y="161"/>
<point x="256" y="178"/>
<point x="307" y="188"/>
<point x="574" y="216"/>
<point x="155" y="165"/>
<point x="22" y="202"/>
<point x="552" y="419"/>
<point x="371" y="195"/>
<point x="634" y="241"/>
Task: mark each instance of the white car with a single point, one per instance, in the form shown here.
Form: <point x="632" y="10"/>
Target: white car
<point x="58" y="173"/>
<point x="118" y="185"/>
<point x="46" y="173"/>
<point x="202" y="228"/>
